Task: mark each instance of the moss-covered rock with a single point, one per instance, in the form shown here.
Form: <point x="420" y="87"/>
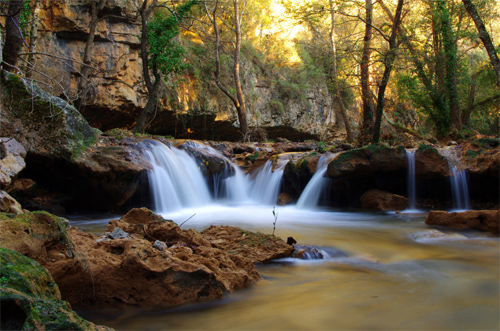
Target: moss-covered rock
<point x="42" y="123"/>
<point x="30" y="298"/>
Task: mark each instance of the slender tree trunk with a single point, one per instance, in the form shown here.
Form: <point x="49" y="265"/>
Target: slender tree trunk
<point x="83" y="86"/>
<point x="334" y="76"/>
<point x="33" y="39"/>
<point x="485" y="37"/>
<point x="239" y="99"/>
<point x="365" y="72"/>
<point x="13" y="37"/>
<point x="450" y="51"/>
<point x="389" y="58"/>
<point x="149" y="111"/>
<point x="241" y="108"/>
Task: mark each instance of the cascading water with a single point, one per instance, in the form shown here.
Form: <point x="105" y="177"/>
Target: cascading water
<point x="459" y="180"/>
<point x="175" y="180"/>
<point x="267" y="183"/>
<point x="310" y="196"/>
<point x="412" y="188"/>
<point x="459" y="187"/>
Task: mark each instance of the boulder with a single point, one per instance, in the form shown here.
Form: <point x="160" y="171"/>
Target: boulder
<point x="382" y="200"/>
<point x="8" y="204"/>
<point x="256" y="246"/>
<point x="484" y="220"/>
<point x="128" y="270"/>
<point x="43" y="124"/>
<point x="429" y="163"/>
<point x="367" y="161"/>
<point x="30" y="298"/>
<point x="12" y="156"/>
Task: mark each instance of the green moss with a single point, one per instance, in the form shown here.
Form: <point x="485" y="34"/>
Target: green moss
<point x="32" y="297"/>
<point x="256" y="239"/>
<point x="427" y="148"/>
<point x="472" y="154"/>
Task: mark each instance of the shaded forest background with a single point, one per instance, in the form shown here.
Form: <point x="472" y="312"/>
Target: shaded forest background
<point x="357" y="70"/>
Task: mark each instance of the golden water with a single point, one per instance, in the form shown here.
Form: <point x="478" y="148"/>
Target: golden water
<point x="388" y="282"/>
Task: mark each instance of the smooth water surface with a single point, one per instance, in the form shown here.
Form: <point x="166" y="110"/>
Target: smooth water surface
<point x="388" y="281"/>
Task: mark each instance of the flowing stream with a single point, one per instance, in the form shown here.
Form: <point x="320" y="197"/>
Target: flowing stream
<point x="392" y="277"/>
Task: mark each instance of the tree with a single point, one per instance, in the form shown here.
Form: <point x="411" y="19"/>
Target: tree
<point x="160" y="53"/>
<point x="365" y="71"/>
<point x="484" y="36"/>
<point x="13" y="37"/>
<point x="334" y="76"/>
<point x="239" y="99"/>
<point x="388" y="61"/>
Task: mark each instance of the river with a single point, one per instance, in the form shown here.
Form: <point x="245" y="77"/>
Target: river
<point x="388" y="281"/>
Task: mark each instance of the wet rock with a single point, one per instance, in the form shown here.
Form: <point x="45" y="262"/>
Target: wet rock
<point x="429" y="163"/>
<point x="12" y="156"/>
<point x="383" y="200"/>
<point x="160" y="245"/>
<point x="367" y="161"/>
<point x="284" y="199"/>
<point x="484" y="220"/>
<point x="307" y="253"/>
<point x="257" y="247"/>
<point x="8" y="204"/>
<point x="30" y="298"/>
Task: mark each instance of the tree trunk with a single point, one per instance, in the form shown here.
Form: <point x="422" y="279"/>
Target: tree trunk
<point x="236" y="71"/>
<point x="450" y="52"/>
<point x="365" y="72"/>
<point x="389" y="58"/>
<point x="13" y="37"/>
<point x="485" y="37"/>
<point x="334" y="76"/>
<point x="239" y="99"/>
<point x="83" y="86"/>
<point x="148" y="113"/>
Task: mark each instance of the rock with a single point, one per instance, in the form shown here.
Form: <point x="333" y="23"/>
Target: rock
<point x="382" y="200"/>
<point x="429" y="163"/>
<point x="43" y="124"/>
<point x="160" y="245"/>
<point x="30" y="298"/>
<point x="8" y="204"/>
<point x="257" y="247"/>
<point x="128" y="270"/>
<point x="436" y="235"/>
<point x="12" y="156"/>
<point x="484" y="220"/>
<point x="367" y="161"/>
<point x="307" y="253"/>
<point x="284" y="199"/>
<point x="118" y="233"/>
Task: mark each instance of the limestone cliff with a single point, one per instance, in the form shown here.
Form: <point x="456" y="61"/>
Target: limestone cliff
<point x="190" y="108"/>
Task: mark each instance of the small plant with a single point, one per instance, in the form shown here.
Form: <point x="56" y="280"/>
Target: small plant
<point x="4" y="281"/>
<point x="275" y="214"/>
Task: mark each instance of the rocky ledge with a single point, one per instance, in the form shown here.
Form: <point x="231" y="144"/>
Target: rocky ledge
<point x="143" y="259"/>
<point x="484" y="220"/>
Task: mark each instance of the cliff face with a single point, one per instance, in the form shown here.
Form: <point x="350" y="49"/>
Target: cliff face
<point x="117" y="93"/>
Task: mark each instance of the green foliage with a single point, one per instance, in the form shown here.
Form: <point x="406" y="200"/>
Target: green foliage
<point x="164" y="49"/>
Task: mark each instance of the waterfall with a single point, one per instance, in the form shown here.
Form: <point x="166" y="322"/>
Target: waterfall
<point x="236" y="186"/>
<point x="459" y="187"/>
<point x="175" y="180"/>
<point x="267" y="183"/>
<point x="310" y="196"/>
<point x="412" y="188"/>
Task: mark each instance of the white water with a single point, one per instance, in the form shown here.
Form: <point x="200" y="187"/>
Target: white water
<point x="177" y="183"/>
<point x="312" y="192"/>
<point x="412" y="187"/>
<point x="459" y="188"/>
<point x="175" y="179"/>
